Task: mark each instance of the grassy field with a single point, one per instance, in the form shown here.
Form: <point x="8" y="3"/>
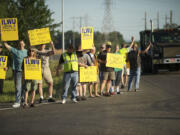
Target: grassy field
<point x="9" y="90"/>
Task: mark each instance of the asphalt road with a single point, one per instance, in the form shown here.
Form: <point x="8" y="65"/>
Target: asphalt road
<point x="153" y="110"/>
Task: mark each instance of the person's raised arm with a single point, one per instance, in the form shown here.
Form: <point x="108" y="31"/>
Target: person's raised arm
<point x="7" y="46"/>
<point x="53" y="48"/>
<point x="132" y="42"/>
<point x="146" y="50"/>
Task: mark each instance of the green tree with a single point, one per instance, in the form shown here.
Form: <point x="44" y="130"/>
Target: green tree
<point x="3" y="8"/>
<point x="31" y="14"/>
<point x="99" y="38"/>
<point x="116" y="38"/>
<point x="68" y="39"/>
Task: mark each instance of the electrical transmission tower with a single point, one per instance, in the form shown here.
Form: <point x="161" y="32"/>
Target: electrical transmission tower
<point x="108" y="20"/>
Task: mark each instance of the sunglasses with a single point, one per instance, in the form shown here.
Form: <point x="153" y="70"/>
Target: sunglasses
<point x="108" y="46"/>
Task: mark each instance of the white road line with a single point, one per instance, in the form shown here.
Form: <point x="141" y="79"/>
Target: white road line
<point x="2" y="109"/>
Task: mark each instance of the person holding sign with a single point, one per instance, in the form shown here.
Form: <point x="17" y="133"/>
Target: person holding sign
<point x="30" y="85"/>
<point x="107" y="72"/>
<point x="124" y="51"/>
<point x="95" y="62"/>
<point x="83" y="61"/>
<point x="102" y="48"/>
<point x="70" y="61"/>
<point x="5" y="69"/>
<point x="116" y="82"/>
<point x="44" y="54"/>
<point x="135" y="65"/>
<point x="18" y="56"/>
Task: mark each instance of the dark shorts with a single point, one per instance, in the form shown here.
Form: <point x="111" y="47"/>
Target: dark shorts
<point x="108" y="75"/>
<point x="117" y="80"/>
<point x="31" y="85"/>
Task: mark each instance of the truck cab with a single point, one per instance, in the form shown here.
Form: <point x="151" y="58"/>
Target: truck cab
<point x="165" y="52"/>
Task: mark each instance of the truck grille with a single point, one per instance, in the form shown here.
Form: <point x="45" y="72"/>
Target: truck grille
<point x="171" y="51"/>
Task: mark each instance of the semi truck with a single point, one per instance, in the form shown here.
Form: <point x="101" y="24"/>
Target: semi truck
<point x="164" y="52"/>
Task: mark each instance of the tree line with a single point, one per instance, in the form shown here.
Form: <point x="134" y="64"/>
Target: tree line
<point x="34" y="14"/>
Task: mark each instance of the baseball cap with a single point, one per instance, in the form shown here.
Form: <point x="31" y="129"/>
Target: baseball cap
<point x="108" y="43"/>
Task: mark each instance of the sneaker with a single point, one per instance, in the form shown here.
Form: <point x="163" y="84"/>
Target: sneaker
<point x="51" y="100"/>
<point x="74" y="100"/>
<point x="104" y="94"/>
<point x="78" y="98"/>
<point x="91" y="96"/>
<point x="25" y="106"/>
<point x="32" y="105"/>
<point x="100" y="94"/>
<point x="122" y="86"/>
<point x="107" y="94"/>
<point x="97" y="95"/>
<point x="16" y="105"/>
<point x="118" y="92"/>
<point x="113" y="93"/>
<point x="63" y="101"/>
<point x="41" y="100"/>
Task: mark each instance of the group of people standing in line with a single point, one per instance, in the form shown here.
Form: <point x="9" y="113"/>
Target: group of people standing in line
<point x="72" y="60"/>
<point x="22" y="86"/>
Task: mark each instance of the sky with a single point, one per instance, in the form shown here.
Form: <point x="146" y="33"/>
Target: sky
<point x="127" y="15"/>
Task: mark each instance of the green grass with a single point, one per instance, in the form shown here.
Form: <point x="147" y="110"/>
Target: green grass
<point x="9" y="90"/>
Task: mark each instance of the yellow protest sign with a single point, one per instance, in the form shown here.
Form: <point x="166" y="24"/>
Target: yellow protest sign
<point x="9" y="29"/>
<point x="87" y="37"/>
<point x="39" y="36"/>
<point x="88" y="74"/>
<point x="3" y="65"/>
<point x="32" y="69"/>
<point x="114" y="60"/>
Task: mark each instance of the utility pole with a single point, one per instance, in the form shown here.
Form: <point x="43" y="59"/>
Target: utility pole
<point x="62" y="25"/>
<point x="158" y="20"/>
<point x="145" y="21"/>
<point x="151" y="25"/>
<point x="166" y="18"/>
<point x="86" y="18"/>
<point x="80" y="19"/>
<point x="74" y="23"/>
<point x="171" y="14"/>
<point x="73" y="31"/>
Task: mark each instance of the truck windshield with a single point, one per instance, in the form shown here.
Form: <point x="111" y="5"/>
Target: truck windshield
<point x="167" y="37"/>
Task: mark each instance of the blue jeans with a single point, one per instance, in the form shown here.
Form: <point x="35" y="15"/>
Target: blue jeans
<point x="68" y="77"/>
<point x="134" y="73"/>
<point x="18" y="85"/>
